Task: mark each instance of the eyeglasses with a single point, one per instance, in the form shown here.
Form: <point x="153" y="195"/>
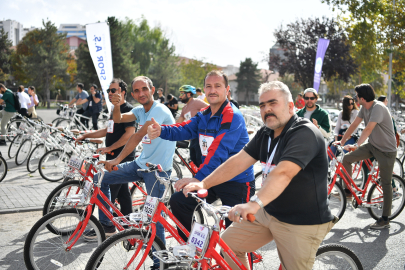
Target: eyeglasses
<point x="351" y="104"/>
<point x="112" y="90"/>
<point x="311" y="98"/>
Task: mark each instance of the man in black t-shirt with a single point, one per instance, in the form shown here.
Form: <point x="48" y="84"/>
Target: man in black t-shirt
<point x="292" y="207"/>
<point x="117" y="136"/>
<point x="161" y="98"/>
<point x="172" y="104"/>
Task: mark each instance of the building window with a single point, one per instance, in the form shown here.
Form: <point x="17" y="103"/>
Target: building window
<point x="70" y="27"/>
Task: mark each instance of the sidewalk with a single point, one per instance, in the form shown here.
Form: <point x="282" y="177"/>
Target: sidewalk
<point x="20" y="191"/>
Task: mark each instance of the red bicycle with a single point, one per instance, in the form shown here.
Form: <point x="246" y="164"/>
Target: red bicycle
<point x="371" y="188"/>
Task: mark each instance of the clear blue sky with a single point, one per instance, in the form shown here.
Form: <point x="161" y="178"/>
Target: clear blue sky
<point x="222" y="32"/>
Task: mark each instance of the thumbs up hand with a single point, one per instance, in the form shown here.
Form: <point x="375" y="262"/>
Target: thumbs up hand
<point x="154" y="129"/>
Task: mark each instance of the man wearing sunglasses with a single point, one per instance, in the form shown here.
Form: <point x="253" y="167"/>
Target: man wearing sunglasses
<point x="312" y="111"/>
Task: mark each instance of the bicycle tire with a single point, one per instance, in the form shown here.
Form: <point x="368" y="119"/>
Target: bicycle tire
<point x="335" y="256"/>
<point x="23" y="152"/>
<point x="57" y="165"/>
<point x="12" y="128"/>
<point x="177" y="171"/>
<point x="117" y="247"/>
<point x="3" y="168"/>
<point x="258" y="180"/>
<point x="34" y="157"/>
<point x="50" y="247"/>
<point x="401" y="149"/>
<point x="54" y="200"/>
<point x="398" y="169"/>
<point x="14" y="145"/>
<point x="66" y="123"/>
<point x="56" y="120"/>
<point x="359" y="174"/>
<point x="337" y="200"/>
<point x="398" y="203"/>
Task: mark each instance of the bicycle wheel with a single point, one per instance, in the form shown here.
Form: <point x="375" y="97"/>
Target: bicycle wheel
<point x="398" y="169"/>
<point x="66" y="123"/>
<point x="3" y="168"/>
<point x="359" y="174"/>
<point x="52" y="165"/>
<point x="337" y="200"/>
<point x="14" y="145"/>
<point x="117" y="251"/>
<point x="34" y="157"/>
<point x="176" y="172"/>
<point x="12" y="128"/>
<point x="23" y="152"/>
<point x="57" y="198"/>
<point x="47" y="250"/>
<point x="138" y="197"/>
<point x="375" y="195"/>
<point x="335" y="256"/>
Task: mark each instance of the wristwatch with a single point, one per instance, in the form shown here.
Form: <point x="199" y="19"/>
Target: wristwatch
<point x="257" y="200"/>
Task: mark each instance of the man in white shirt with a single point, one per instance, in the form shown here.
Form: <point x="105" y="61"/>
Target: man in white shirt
<point x="200" y="94"/>
<point x="24" y="99"/>
<point x="34" y="102"/>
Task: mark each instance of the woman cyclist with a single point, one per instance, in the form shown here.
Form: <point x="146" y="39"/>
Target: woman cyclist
<point x="345" y="118"/>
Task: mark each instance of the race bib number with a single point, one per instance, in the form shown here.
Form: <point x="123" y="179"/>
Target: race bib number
<point x="75" y="163"/>
<point x="91" y="103"/>
<point x="110" y="127"/>
<point x="150" y="205"/>
<point x="145" y="138"/>
<point x="198" y="236"/>
<point x="187" y="116"/>
<point x="205" y="143"/>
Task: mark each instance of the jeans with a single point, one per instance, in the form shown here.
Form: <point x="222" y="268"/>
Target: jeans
<point x="128" y="172"/>
<point x="334" y="149"/>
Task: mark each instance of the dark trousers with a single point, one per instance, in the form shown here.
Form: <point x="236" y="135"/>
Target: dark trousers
<point x="94" y="117"/>
<point x="23" y="112"/>
<point x="82" y="120"/>
<point x="195" y="152"/>
<point x="230" y="193"/>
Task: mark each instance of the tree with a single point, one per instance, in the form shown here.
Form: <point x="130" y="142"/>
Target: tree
<point x="248" y="78"/>
<point x="299" y="41"/>
<point x="164" y="71"/>
<point x="44" y="61"/>
<point x="86" y="72"/>
<point x="5" y="56"/>
<point x="193" y="71"/>
<point x="376" y="28"/>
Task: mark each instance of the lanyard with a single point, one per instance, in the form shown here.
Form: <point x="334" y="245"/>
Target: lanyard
<point x="270" y="159"/>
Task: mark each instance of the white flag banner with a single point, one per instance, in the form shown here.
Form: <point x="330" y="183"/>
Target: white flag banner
<point x="98" y="40"/>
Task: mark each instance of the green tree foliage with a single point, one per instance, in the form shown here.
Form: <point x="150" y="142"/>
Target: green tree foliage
<point x="248" y="78"/>
<point x="5" y="56"/>
<point x="163" y="70"/>
<point x="372" y="27"/>
<point x="193" y="71"/>
<point x="299" y="40"/>
<point x="86" y="72"/>
<point x="42" y="59"/>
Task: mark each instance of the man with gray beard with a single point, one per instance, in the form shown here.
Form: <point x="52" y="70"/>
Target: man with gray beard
<point x="292" y="206"/>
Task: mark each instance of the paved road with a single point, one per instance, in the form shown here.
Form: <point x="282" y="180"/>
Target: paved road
<point x="20" y="191"/>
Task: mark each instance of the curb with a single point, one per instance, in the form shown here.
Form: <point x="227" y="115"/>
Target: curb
<point x="21" y="210"/>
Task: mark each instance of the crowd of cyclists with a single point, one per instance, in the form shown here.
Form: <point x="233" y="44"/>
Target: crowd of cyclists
<point x="291" y="207"/>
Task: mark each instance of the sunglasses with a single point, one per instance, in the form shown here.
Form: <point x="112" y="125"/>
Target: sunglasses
<point x="311" y="98"/>
<point x="112" y="90"/>
<point x="351" y="104"/>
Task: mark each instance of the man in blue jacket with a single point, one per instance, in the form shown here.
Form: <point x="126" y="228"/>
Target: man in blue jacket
<point x="222" y="133"/>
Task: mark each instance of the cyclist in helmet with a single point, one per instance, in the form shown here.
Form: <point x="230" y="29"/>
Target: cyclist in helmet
<point x="192" y="107"/>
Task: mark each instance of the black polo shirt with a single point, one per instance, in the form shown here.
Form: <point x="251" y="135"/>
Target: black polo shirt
<point x="305" y="199"/>
<point x="119" y="130"/>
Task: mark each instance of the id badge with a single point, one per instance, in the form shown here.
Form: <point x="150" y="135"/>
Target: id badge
<point x="110" y="127"/>
<point x="187" y="116"/>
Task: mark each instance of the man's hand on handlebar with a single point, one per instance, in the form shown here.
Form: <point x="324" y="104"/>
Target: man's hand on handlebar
<point x="242" y="210"/>
<point x="350" y="147"/>
<point x="192" y="186"/>
<point x="104" y="150"/>
<point x="183" y="182"/>
<point x="109" y="164"/>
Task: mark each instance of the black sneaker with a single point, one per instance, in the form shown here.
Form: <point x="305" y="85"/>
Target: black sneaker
<point x="380" y="224"/>
<point x="91" y="234"/>
<point x="3" y="142"/>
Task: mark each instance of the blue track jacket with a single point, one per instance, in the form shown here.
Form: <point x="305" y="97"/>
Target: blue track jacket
<point x="220" y="136"/>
